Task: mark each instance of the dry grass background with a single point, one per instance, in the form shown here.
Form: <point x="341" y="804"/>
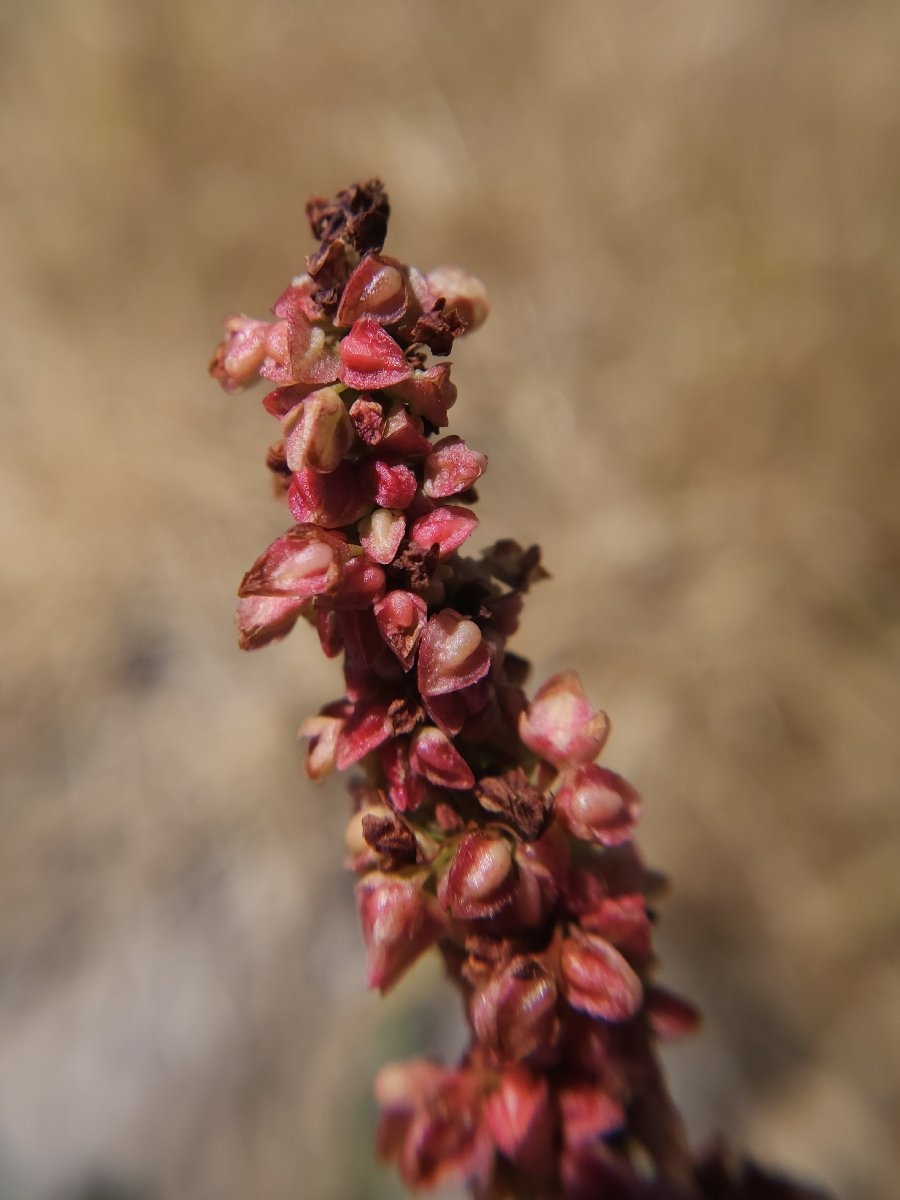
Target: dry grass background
<point x="688" y="215"/>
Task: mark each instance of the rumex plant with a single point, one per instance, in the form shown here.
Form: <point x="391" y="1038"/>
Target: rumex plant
<point x="482" y="824"/>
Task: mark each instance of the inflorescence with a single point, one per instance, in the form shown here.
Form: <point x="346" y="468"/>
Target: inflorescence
<point x="482" y="824"/>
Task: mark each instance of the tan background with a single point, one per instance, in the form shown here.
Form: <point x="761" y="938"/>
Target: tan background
<point x="688" y="216"/>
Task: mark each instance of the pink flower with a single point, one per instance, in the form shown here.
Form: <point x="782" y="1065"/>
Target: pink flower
<point x="516" y="1015"/>
<point x="303" y="562"/>
<point x="560" y="724"/>
<point x="452" y="654"/>
<point x="370" y="358"/>
<point x="398" y="926"/>
<point x="597" y="980"/>
<point x="481" y="879"/>
<point x="378" y="288"/>
<point x="452" y="468"/>
<point x="433" y="1125"/>
<point x="597" y="805"/>
<point x="318" y="432"/>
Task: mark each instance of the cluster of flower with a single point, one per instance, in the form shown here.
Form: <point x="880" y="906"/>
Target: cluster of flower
<point x="483" y="824"/>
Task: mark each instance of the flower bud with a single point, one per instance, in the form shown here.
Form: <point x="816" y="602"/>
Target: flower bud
<point x="433" y="755"/>
<point x="481" y="879"/>
<point x="597" y="805"/>
<point x="463" y="292"/>
<point x="560" y="724"/>
<point x="452" y="468"/>
<point x="370" y="358"/>
<point x="515" y="1015"/>
<point x="397" y="923"/>
<point x="596" y="978"/>
<point x="446" y="527"/>
<point x="301" y="563"/>
<point x="401" y="619"/>
<point x="452" y="654"/>
<point x="378" y="289"/>
<point x="318" y="432"/>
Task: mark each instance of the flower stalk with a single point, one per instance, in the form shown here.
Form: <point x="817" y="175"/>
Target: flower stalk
<point x="482" y="824"/>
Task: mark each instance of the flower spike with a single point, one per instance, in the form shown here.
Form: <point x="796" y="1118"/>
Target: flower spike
<point x="482" y="824"/>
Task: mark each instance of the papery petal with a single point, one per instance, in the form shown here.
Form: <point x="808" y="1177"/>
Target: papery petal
<point x="239" y="356"/>
<point x="298" y="298"/>
<point x="405" y="789"/>
<point x="264" y="619"/>
<point x="452" y="468"/>
<point x="362" y="584"/>
<point x="398" y="926"/>
<point x="481" y="879"/>
<point x="296" y="350"/>
<point x="378" y="288"/>
<point x="452" y="654"/>
<point x="329" y="630"/>
<point x="560" y="724"/>
<point x="429" y="394"/>
<point x="381" y="533"/>
<point x="597" y="979"/>
<point x="322" y="733"/>
<point x="446" y="527"/>
<point x="433" y="755"/>
<point x="364" y="730"/>
<point x="370" y="358"/>
<point x="597" y="805"/>
<point x="284" y="400"/>
<point x="401" y="435"/>
<point x="303" y="562"/>
<point x="366" y="653"/>
<point x="318" y="432"/>
<point x="401" y="619"/>
<point x="331" y="500"/>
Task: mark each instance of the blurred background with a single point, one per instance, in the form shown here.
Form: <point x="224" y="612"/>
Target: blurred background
<point x="688" y="218"/>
